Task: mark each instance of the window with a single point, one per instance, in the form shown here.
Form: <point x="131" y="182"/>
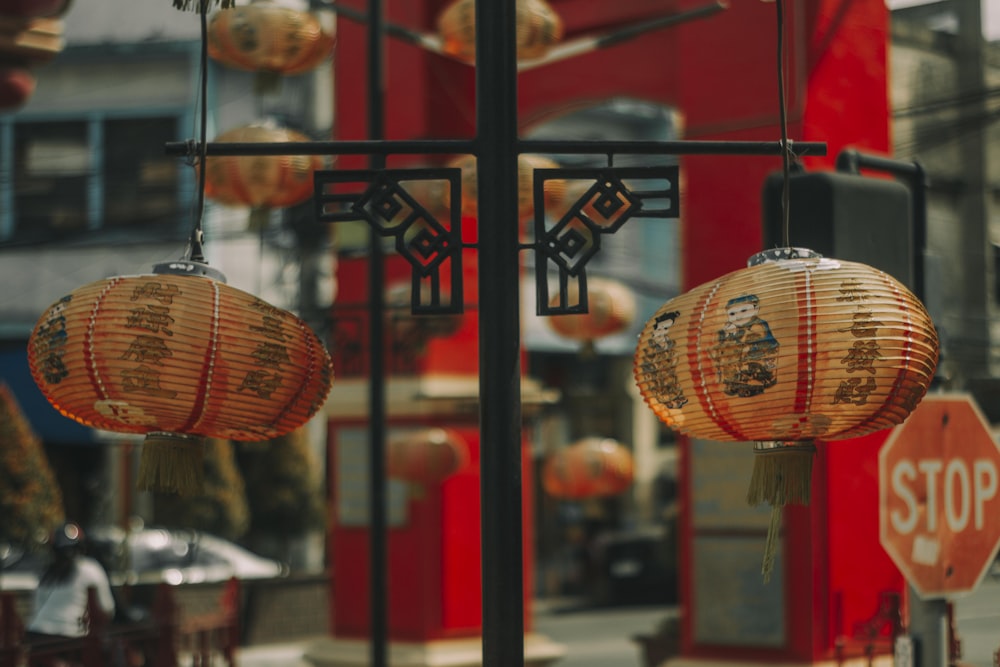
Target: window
<point x="103" y="175"/>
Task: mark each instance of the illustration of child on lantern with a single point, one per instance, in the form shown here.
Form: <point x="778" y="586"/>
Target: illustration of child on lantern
<point x="659" y="365"/>
<point x="746" y="353"/>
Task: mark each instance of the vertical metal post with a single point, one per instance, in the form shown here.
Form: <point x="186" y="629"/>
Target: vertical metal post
<point x="499" y="335"/>
<point x="376" y="306"/>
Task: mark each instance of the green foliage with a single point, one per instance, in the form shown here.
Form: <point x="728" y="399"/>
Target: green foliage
<point x="287" y="499"/>
<point x="221" y="509"/>
<point x="31" y="504"/>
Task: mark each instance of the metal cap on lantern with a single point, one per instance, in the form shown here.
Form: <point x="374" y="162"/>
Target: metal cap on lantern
<point x="589" y="468"/>
<point x="795" y="348"/>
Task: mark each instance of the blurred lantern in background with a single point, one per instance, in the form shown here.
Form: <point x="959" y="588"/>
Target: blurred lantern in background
<point x="269" y="38"/>
<point x="589" y="468"/>
<point x="611" y="310"/>
<point x="179" y="356"/>
<point x="262" y="182"/>
<point x="31" y="34"/>
<point x="555" y="190"/>
<point x="792" y="349"/>
<point x="538" y="28"/>
<point x="427" y="456"/>
<point x="411" y="330"/>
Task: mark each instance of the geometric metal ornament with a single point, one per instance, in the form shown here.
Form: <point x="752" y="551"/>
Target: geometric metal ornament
<point x="432" y="246"/>
<point x="613" y="198"/>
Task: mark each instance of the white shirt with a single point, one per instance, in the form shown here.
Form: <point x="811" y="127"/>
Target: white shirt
<point x="61" y="606"/>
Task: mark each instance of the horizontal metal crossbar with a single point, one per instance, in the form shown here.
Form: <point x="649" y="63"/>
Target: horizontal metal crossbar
<point x="471" y="147"/>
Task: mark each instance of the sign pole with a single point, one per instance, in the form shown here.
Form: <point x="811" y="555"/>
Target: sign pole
<point x="929" y="628"/>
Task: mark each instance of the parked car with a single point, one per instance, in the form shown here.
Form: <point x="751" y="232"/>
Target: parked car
<point x="146" y="556"/>
<point x="153" y="555"/>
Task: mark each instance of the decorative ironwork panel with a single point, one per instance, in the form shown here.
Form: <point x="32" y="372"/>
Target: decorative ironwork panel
<point x="397" y="203"/>
<point x="615" y="196"/>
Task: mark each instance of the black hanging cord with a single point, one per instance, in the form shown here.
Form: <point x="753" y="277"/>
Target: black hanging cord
<point x="785" y="146"/>
<point x="195" y="251"/>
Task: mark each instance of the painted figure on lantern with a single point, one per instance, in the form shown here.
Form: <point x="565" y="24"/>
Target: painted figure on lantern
<point x="746" y="354"/>
<point x="659" y="365"/>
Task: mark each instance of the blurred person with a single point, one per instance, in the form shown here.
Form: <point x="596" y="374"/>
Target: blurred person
<point x="60" y="602"/>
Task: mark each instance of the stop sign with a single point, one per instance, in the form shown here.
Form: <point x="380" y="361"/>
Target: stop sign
<point x="939" y="496"/>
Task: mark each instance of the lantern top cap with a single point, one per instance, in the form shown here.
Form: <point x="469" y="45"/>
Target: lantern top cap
<point x="186" y="267"/>
<point x="780" y="254"/>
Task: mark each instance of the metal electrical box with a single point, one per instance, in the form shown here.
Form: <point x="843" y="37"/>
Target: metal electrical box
<point x="844" y="216"/>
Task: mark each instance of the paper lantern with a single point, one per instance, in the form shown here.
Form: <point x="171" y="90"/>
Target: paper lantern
<point x="554" y="193"/>
<point x="179" y="356"/>
<point x="589" y="468"/>
<point x="262" y="182"/>
<point x="31" y="34"/>
<point x="417" y="329"/>
<point x="792" y="349"/>
<point x="538" y="27"/>
<point x="268" y="37"/>
<point x="611" y="309"/>
<point x="428" y="456"/>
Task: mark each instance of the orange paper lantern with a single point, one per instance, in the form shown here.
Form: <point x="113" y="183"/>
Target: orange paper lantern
<point x="792" y="349"/>
<point x="265" y="36"/>
<point x="261" y="181"/>
<point x="611" y="309"/>
<point x="178" y="355"/>
<point x="428" y="456"/>
<point x="589" y="468"/>
<point x="538" y="27"/>
<point x="555" y="190"/>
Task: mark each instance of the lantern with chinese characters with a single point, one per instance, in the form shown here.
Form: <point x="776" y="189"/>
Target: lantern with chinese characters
<point x="555" y="190"/>
<point x="262" y="182"/>
<point x="427" y="456"/>
<point x="538" y="28"/>
<point x="178" y="355"/>
<point x="792" y="349"/>
<point x="589" y="468"/>
<point x="610" y="310"/>
<point x="269" y="38"/>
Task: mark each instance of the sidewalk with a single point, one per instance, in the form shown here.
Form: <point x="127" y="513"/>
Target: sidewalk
<point x="274" y="655"/>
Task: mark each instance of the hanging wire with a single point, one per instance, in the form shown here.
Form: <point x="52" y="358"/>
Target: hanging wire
<point x="786" y="148"/>
<point x="195" y="251"/>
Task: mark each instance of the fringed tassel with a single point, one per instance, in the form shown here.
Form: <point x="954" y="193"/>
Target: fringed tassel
<point x="782" y="475"/>
<point x="172" y="463"/>
<point x="771" y="545"/>
<point x="202" y="5"/>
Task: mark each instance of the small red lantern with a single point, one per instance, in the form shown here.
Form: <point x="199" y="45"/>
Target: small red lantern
<point x="179" y="356"/>
<point x="611" y="309"/>
<point x="589" y="468"/>
<point x="428" y="456"/>
<point x="261" y="182"/>
<point x="267" y="37"/>
<point x="537" y="28"/>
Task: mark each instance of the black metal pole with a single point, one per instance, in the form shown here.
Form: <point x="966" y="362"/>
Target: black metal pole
<point x="376" y="305"/>
<point x="499" y="335"/>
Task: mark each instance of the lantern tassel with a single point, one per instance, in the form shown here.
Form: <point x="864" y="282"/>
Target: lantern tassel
<point x="172" y="463"/>
<point x="202" y="5"/>
<point x="782" y="475"/>
<point x="771" y="545"/>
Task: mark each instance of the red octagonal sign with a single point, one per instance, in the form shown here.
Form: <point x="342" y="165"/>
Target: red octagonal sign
<point x="939" y="496"/>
